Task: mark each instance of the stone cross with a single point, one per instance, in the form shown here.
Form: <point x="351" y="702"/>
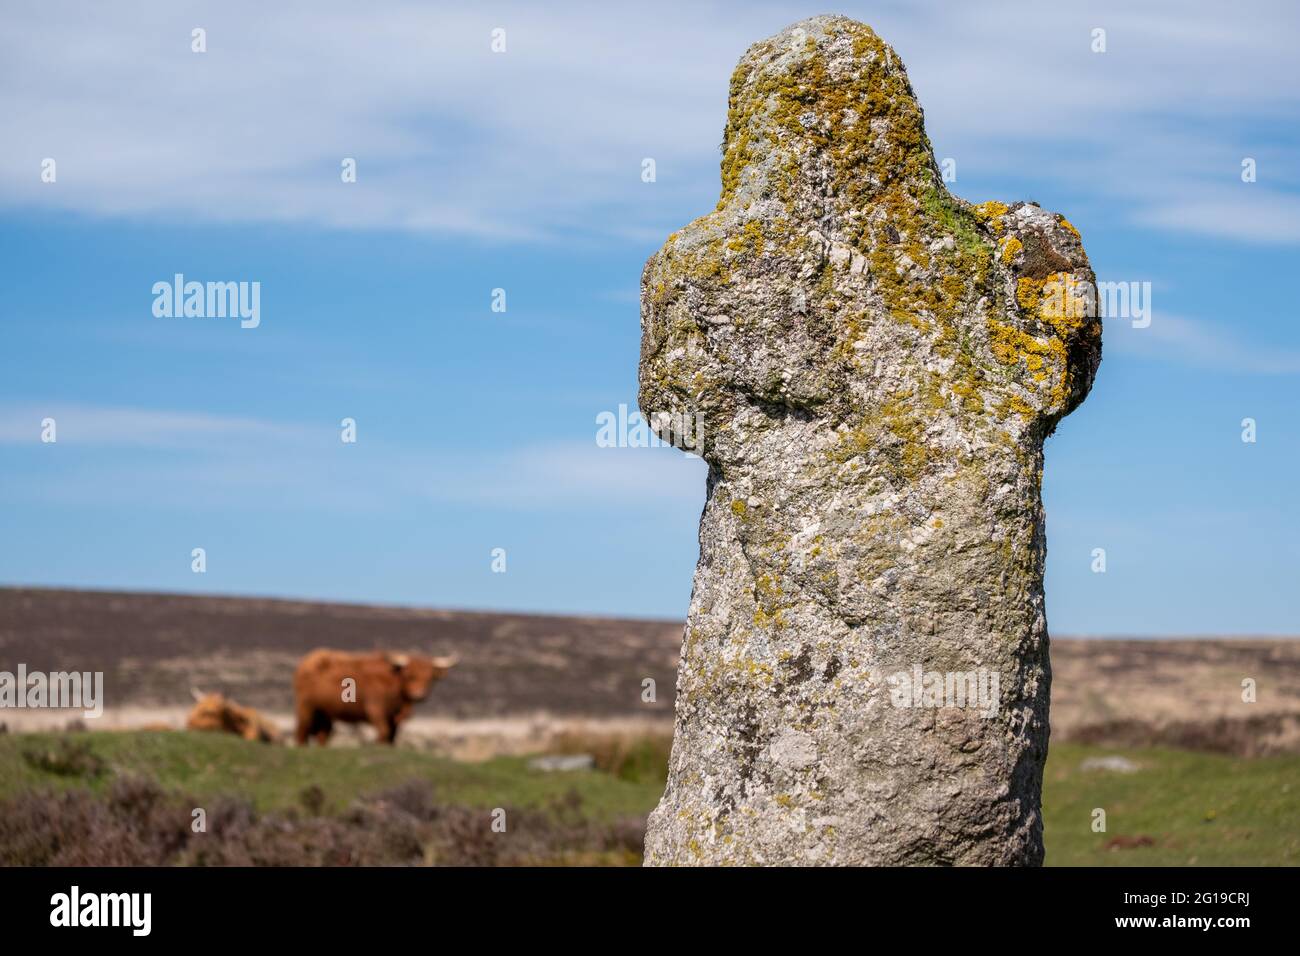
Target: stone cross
<point x="875" y="363"/>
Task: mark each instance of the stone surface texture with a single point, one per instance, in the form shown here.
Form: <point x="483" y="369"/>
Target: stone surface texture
<point x="875" y="364"/>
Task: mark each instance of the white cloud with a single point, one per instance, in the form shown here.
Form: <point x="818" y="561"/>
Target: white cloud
<point x="1261" y="216"/>
<point x="97" y="426"/>
<point x="577" y="472"/>
<point x="547" y="139"/>
<point x="1199" y="343"/>
<point x="215" y="459"/>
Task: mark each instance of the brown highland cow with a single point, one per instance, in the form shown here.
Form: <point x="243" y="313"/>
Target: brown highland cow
<point x="377" y="688"/>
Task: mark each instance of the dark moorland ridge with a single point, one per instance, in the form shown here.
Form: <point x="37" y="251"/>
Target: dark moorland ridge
<point x="153" y="648"/>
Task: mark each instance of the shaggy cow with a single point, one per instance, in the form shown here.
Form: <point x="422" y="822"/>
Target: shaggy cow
<point x="216" y="712"/>
<point x="376" y="688"/>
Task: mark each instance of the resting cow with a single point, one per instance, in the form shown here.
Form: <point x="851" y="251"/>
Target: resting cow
<point x="216" y="712"/>
<point x="376" y="688"/>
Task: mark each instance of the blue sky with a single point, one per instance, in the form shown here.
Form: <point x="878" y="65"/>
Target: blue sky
<point x="522" y="171"/>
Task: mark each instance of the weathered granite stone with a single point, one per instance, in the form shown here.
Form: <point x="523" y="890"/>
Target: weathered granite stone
<point x="876" y="364"/>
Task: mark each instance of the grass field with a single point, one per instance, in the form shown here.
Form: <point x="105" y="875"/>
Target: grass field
<point x="205" y="765"/>
<point x="1198" y="809"/>
<point x="1176" y="808"/>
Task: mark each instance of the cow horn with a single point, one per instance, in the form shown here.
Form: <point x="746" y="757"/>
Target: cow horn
<point x="197" y="694"/>
<point x="446" y="662"/>
<point x="399" y="660"/>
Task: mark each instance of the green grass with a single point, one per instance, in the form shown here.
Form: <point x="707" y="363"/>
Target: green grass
<point x="208" y="764"/>
<point x="1200" y="809"/>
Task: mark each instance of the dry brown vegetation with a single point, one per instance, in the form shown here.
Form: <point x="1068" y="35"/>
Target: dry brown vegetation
<point x="138" y="823"/>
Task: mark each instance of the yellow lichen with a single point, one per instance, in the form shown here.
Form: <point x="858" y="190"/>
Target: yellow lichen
<point x="1063" y="302"/>
<point x="1028" y="292"/>
<point x="991" y="212"/>
<point x="1011" y="247"/>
